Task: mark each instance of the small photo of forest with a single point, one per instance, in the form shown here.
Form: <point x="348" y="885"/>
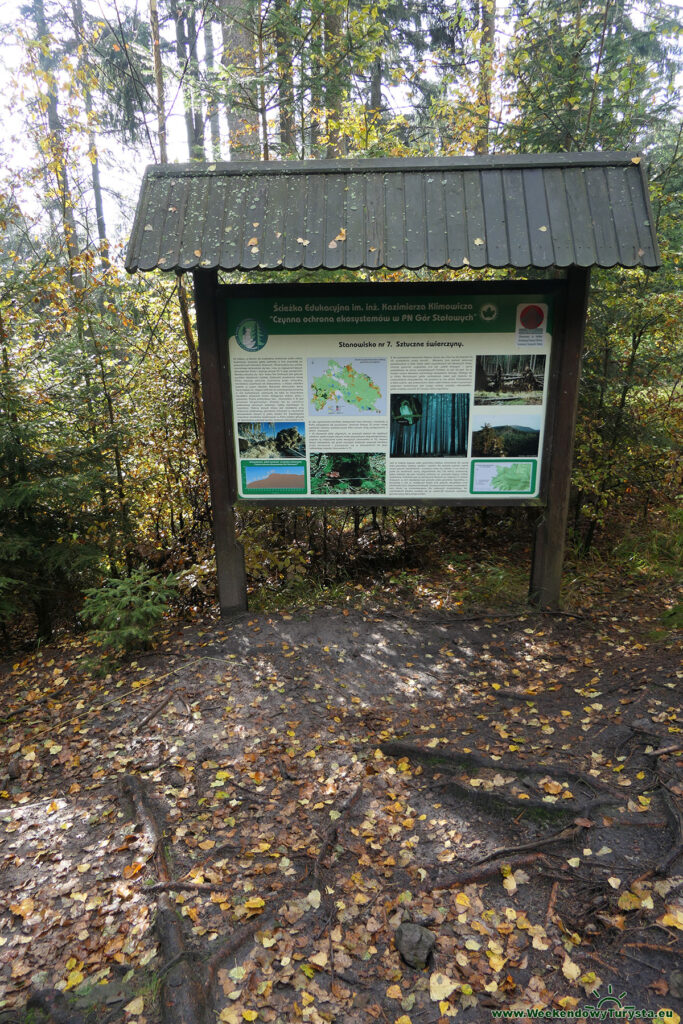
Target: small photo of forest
<point x="280" y="440"/>
<point x="429" y="426"/>
<point x="348" y="473"/>
<point x="498" y="433"/>
<point x="509" y="380"/>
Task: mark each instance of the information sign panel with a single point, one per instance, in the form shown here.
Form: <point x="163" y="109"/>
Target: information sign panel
<point x="391" y="396"/>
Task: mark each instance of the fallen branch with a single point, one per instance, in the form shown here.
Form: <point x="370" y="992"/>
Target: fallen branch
<point x="30" y="706"/>
<point x="673" y="749"/>
<point x="484" y="872"/>
<point x="255" y="797"/>
<point x="651" y="945"/>
<point x="550" y="912"/>
<point x="184" y="887"/>
<point x="155" y="711"/>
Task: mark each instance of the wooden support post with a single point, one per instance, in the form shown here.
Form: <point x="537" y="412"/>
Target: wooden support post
<point x="220" y="455"/>
<point x="549" y="541"/>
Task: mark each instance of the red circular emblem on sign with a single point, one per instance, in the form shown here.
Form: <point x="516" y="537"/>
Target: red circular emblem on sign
<point x="531" y="317"/>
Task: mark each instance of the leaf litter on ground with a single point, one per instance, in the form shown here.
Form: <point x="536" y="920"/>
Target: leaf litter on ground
<point x="284" y="816"/>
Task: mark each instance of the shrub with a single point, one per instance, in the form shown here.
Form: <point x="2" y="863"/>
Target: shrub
<point x="127" y="612"/>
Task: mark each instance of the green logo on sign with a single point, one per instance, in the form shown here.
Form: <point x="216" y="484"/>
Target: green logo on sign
<point x="251" y="335"/>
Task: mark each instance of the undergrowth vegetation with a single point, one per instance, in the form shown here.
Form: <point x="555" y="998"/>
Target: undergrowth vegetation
<point x="103" y="477"/>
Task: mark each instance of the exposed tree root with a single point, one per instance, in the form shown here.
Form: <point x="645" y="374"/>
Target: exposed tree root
<point x="483" y="872"/>
<point x="447" y="758"/>
<point x="55" y="1006"/>
<point x="557" y="837"/>
<point x="182" y="993"/>
<point x="333" y="832"/>
<point x="451" y="761"/>
<point x="231" y="945"/>
<point x="676" y="822"/>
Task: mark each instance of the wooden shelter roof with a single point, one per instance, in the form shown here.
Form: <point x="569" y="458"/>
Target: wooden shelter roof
<point x="536" y="211"/>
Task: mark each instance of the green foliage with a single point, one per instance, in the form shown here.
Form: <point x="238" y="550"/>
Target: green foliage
<point x="48" y="476"/>
<point x="126" y="613"/>
<point x="101" y="460"/>
<point x="657" y="552"/>
<point x="590" y="75"/>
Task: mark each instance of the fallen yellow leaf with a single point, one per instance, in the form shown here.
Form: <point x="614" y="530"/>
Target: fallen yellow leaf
<point x="570" y="970"/>
<point x="74" y="978"/>
<point x="440" y="987"/>
<point x="135" y="1006"/>
<point x="23" y="909"/>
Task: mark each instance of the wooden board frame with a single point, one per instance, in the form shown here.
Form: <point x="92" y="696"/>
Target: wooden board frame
<point x="571" y="294"/>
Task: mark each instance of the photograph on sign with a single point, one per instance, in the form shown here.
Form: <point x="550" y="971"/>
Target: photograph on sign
<point x="272" y="440"/>
<point x="396" y="396"/>
<point x="429" y="426"/>
<point x="506" y="432"/>
<point x="345" y="473"/>
<point x="509" y="380"/>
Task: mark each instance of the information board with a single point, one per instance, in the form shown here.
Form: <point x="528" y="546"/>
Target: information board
<point x="396" y="396"/>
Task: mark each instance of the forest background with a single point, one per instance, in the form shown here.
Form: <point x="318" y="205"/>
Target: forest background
<point x="103" y="486"/>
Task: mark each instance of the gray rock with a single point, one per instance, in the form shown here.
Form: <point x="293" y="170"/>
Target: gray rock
<point x="676" y="984"/>
<point x="415" y="944"/>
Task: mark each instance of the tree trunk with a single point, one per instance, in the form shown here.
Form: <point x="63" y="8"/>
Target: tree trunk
<point x="77" y="8"/>
<point x="486" y="51"/>
<point x="185" y="49"/>
<point x="194" y="365"/>
<point x="242" y="104"/>
<point x="158" y="80"/>
<point x="334" y="93"/>
<point x="376" y="87"/>
<point x="285" y="71"/>
<point x="56" y="144"/>
<point x="214" y="120"/>
<point x="194" y="88"/>
<point x="263" y="111"/>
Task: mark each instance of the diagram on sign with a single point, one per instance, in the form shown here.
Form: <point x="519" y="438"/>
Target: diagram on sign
<point x="503" y="477"/>
<point x="354" y="388"/>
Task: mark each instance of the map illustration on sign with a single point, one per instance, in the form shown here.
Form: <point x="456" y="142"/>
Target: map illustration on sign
<point x="354" y="388"/>
<point x="513" y="477"/>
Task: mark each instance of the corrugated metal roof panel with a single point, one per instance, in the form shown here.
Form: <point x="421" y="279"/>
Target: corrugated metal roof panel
<point x="521" y="211"/>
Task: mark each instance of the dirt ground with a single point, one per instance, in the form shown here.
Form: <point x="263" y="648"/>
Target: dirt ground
<point x="235" y="825"/>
